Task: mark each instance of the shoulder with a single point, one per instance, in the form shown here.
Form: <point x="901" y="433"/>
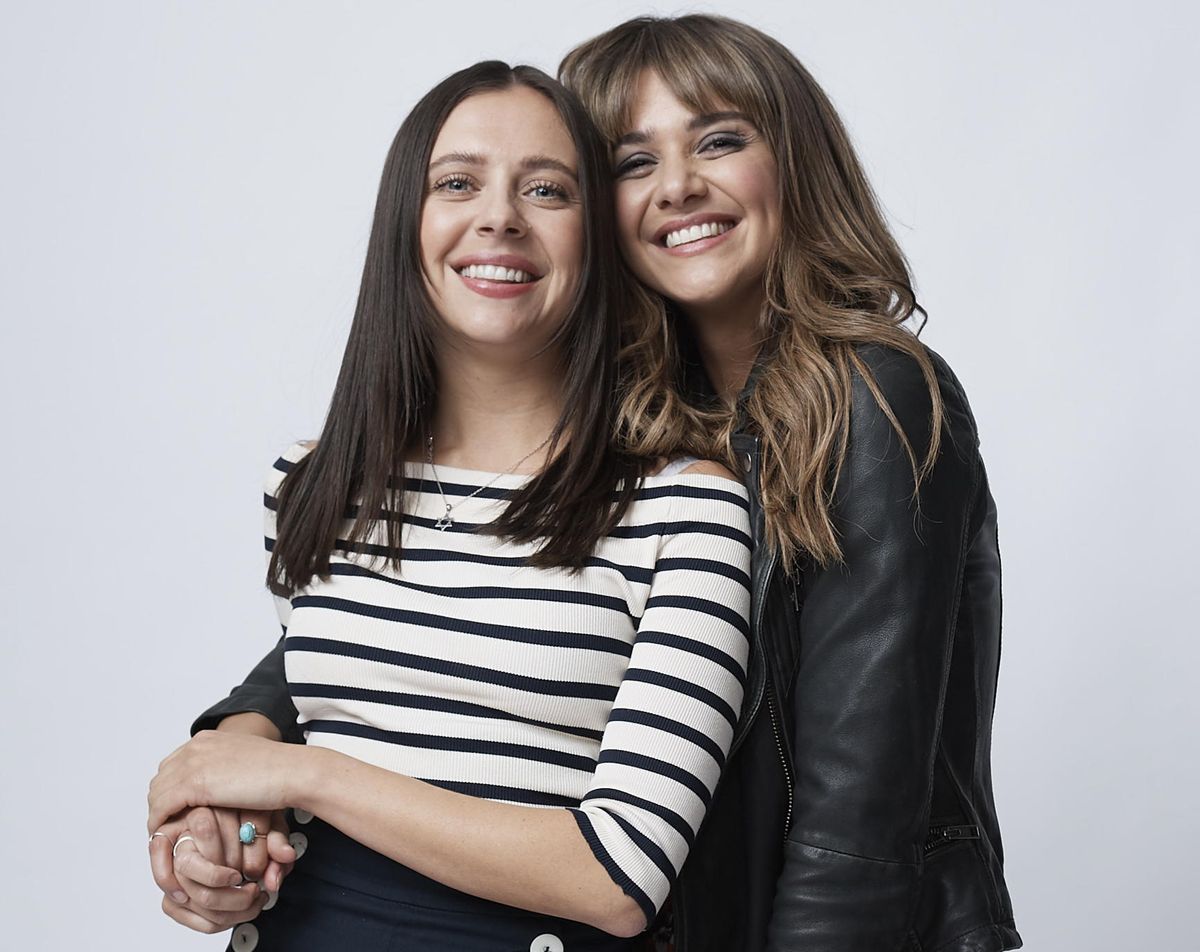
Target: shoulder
<point x="703" y="496"/>
<point x="667" y="472"/>
<point x="690" y="490"/>
<point x="901" y="381"/>
<point x="708" y="467"/>
<point x="898" y="375"/>
<point x="689" y="481"/>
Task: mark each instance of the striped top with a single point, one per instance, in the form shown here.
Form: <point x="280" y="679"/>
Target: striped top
<point x="612" y="692"/>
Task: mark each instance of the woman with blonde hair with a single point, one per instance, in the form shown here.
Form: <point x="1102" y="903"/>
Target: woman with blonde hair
<point x="856" y="812"/>
<point x="862" y="813"/>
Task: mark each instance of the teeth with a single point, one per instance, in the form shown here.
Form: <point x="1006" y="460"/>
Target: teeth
<point x="491" y="272"/>
<point x="687" y="235"/>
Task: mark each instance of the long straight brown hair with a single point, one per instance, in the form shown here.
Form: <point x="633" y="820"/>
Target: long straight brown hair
<point x="836" y="280"/>
<point x="386" y="390"/>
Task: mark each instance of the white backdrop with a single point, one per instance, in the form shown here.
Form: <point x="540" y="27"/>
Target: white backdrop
<point x="186" y="191"/>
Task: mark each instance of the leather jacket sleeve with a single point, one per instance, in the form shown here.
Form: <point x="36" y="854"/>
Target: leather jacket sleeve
<point x="264" y="691"/>
<point x="876" y="634"/>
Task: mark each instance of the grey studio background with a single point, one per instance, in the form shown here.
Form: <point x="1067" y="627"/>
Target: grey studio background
<point x="186" y="191"/>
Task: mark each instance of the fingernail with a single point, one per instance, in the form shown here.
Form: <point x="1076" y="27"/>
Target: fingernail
<point x="179" y="896"/>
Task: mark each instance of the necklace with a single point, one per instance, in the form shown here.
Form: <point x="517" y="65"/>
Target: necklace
<point x="446" y="521"/>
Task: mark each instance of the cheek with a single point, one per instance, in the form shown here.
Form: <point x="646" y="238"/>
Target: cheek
<point x="439" y="231"/>
<point x="568" y="250"/>
<point x="760" y="184"/>
<point x="754" y="187"/>
<point x="429" y="242"/>
<point x="773" y="205"/>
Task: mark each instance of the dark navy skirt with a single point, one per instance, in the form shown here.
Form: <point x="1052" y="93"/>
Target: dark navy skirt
<point x="341" y="895"/>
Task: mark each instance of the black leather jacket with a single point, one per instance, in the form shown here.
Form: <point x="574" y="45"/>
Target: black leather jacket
<point x="856" y="812"/>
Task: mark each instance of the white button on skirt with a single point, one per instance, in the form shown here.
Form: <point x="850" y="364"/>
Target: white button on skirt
<point x="244" y="938"/>
<point x="299" y="843"/>
<point x="546" y="943"/>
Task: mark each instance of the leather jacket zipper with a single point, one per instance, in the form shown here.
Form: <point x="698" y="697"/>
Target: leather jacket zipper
<point x="783" y="760"/>
<point x="794" y="588"/>
<point x="678" y="915"/>
<point x="944" y="835"/>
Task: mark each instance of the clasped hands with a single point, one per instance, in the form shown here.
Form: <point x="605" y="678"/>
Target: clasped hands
<point x="211" y="880"/>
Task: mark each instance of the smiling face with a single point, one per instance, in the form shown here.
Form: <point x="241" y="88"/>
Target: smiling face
<point x="502" y="230"/>
<point x="698" y="205"/>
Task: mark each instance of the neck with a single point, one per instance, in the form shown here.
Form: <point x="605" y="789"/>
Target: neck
<point x="729" y="339"/>
<point x="488" y="416"/>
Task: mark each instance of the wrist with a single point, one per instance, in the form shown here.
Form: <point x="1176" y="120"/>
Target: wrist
<point x="308" y="775"/>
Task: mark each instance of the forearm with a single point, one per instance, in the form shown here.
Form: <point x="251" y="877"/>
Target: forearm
<point x="493" y="850"/>
<point x="828" y="901"/>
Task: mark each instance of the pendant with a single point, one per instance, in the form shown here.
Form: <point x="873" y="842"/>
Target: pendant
<point x="445" y="522"/>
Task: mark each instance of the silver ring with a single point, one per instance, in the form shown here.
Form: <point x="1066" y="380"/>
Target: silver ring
<point x="162" y="834"/>
<point x="180" y="841"/>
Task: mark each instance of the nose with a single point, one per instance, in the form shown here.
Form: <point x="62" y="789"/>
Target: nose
<point x="679" y="182"/>
<point x="500" y="215"/>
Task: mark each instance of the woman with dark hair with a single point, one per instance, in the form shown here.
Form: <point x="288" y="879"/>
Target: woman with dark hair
<point x="516" y="650"/>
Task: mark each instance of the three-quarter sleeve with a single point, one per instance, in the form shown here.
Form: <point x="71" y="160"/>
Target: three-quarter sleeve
<point x="673" y="718"/>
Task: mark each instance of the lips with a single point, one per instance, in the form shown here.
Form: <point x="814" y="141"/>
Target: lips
<point x="497" y="275"/>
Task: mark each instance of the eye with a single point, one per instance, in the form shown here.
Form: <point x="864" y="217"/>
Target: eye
<point x="456" y="184"/>
<point x="722" y="142"/>
<point x="638" y="162"/>
<point x="546" y="191"/>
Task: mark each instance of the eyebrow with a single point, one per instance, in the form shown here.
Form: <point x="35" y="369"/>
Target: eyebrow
<point x="531" y="163"/>
<point x="640" y="137"/>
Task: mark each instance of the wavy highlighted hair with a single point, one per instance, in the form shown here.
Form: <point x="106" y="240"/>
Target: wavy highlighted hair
<point x="837" y="278"/>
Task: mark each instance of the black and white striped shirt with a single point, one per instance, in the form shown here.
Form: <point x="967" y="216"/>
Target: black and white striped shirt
<point x="612" y="691"/>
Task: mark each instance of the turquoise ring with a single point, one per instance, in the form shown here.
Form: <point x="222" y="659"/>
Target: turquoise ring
<point x="248" y="833"/>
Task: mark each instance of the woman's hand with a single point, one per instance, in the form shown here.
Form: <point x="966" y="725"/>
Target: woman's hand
<point x="202" y="886"/>
<point x="218" y="768"/>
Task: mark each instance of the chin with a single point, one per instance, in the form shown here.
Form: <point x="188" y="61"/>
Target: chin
<point x="502" y="337"/>
<point x="492" y="336"/>
<point x="693" y="296"/>
<point x="698" y="288"/>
